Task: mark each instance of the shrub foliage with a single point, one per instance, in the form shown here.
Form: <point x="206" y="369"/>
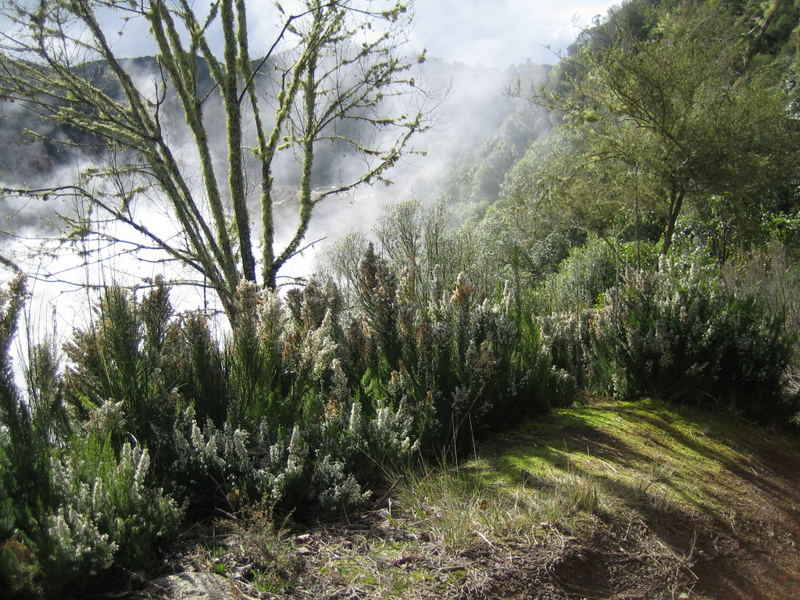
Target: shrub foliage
<point x="305" y="405"/>
<point x="313" y="396"/>
<point x="680" y="333"/>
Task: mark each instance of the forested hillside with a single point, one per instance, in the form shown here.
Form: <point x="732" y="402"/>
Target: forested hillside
<point x="620" y="232"/>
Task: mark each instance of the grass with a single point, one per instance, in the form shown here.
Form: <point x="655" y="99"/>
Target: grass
<point x="631" y="454"/>
<point x="608" y="496"/>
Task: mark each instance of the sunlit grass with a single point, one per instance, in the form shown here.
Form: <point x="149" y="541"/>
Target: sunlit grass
<point x="606" y="467"/>
<point x="609" y="458"/>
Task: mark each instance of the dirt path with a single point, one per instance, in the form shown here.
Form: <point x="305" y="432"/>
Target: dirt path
<point x="760" y="556"/>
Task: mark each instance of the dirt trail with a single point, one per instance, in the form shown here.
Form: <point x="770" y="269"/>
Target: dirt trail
<point x="761" y="551"/>
<point x="742" y="542"/>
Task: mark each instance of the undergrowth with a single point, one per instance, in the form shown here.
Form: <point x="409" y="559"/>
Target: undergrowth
<point x="317" y="395"/>
<point x="304" y="408"/>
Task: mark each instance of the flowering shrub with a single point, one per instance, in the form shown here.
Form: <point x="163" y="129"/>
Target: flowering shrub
<point x="73" y="506"/>
<point x="569" y="336"/>
<point x="679" y="333"/>
<point x="119" y="359"/>
<point x="106" y="511"/>
<point x="306" y="406"/>
<point x="773" y="276"/>
<point x="314" y="396"/>
<point x="464" y="364"/>
<point x="24" y="466"/>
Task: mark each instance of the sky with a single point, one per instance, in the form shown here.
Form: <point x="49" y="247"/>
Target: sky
<point x="489" y="33"/>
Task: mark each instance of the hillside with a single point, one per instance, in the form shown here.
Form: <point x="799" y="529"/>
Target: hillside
<point x="610" y="500"/>
<point x="409" y="421"/>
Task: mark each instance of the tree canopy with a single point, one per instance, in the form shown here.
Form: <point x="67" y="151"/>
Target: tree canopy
<point x="678" y="114"/>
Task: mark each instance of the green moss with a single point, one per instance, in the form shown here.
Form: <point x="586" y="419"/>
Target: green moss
<point x="638" y="455"/>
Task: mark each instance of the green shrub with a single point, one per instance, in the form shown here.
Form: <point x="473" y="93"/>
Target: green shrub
<point x="70" y="507"/>
<point x="586" y="273"/>
<point x="470" y="364"/>
<point x="105" y="512"/>
<point x="305" y="406"/>
<point x="569" y="338"/>
<point x="24" y="466"/>
<point x="589" y="270"/>
<point x="119" y="358"/>
<point x="426" y="330"/>
<point x="772" y="276"/>
<point x="679" y="333"/>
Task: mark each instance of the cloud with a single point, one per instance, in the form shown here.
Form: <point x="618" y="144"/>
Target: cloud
<point x="490" y="33"/>
<point x="499" y="33"/>
<point x="494" y="33"/>
<point x="129" y="35"/>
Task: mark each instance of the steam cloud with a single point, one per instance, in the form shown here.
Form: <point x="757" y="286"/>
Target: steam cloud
<point x="474" y="110"/>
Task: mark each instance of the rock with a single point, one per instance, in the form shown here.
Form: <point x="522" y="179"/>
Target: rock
<point x="196" y="586"/>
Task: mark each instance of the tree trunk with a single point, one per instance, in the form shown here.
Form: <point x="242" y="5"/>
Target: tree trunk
<point x="675" y="205"/>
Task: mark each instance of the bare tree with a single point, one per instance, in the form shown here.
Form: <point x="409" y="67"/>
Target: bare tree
<point x="333" y="74"/>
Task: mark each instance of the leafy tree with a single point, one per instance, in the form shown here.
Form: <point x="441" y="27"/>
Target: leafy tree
<point x="680" y="115"/>
<point x="532" y="227"/>
<point x="332" y="75"/>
